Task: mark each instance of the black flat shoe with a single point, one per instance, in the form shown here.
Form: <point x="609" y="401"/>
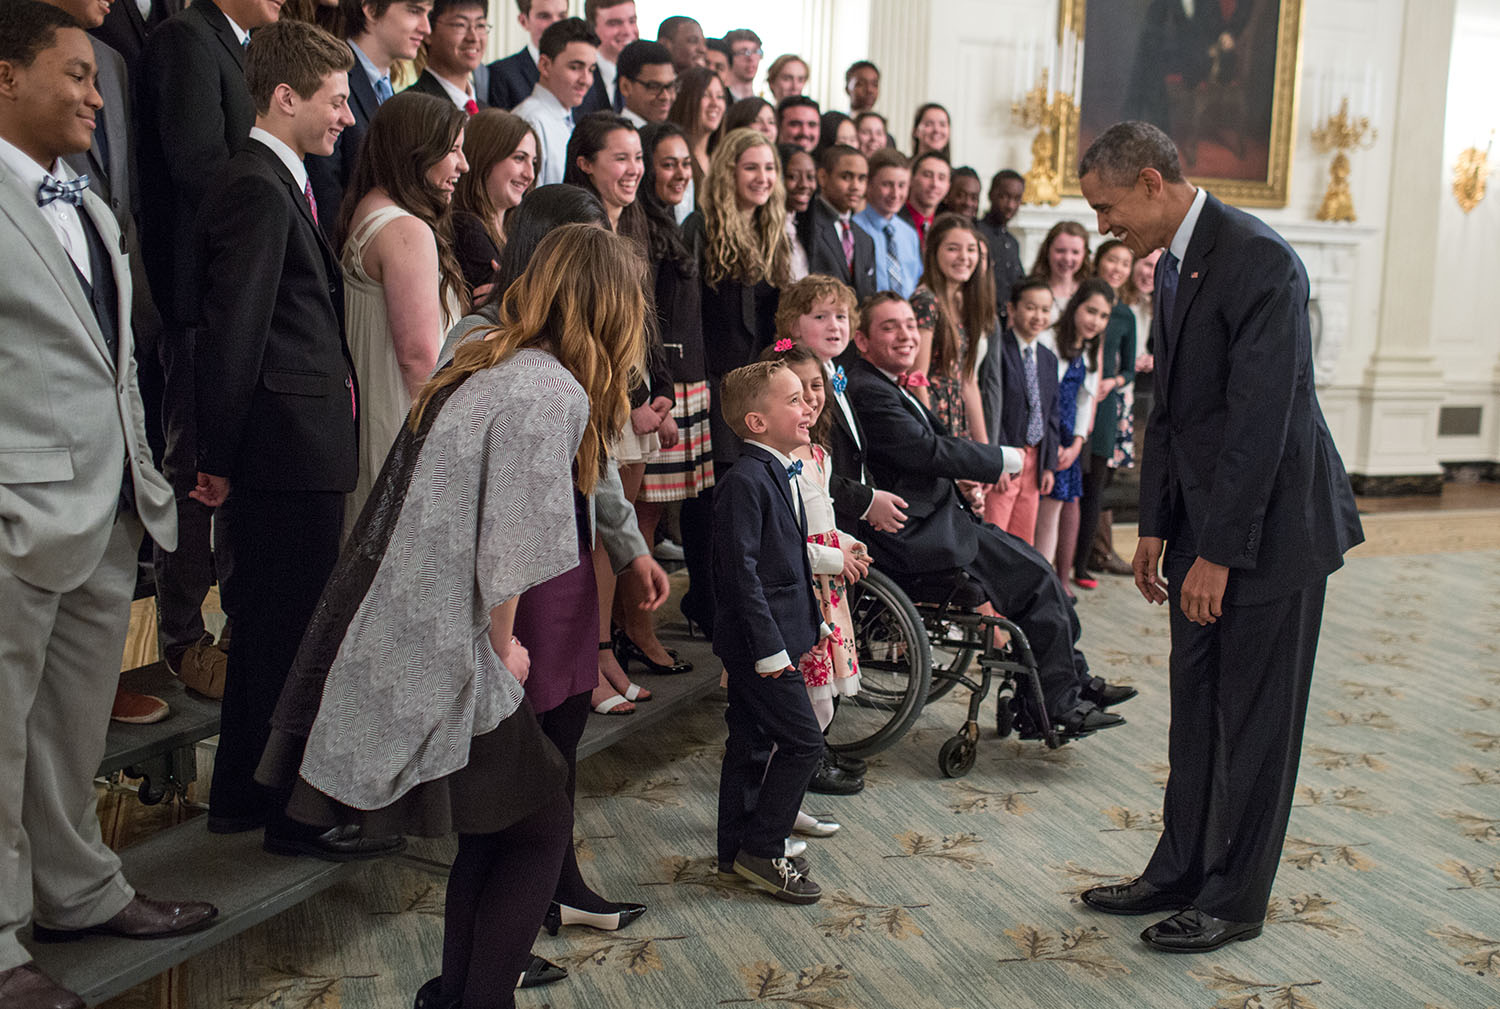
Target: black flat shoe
<point x="559" y="915"/>
<point x="851" y="764"/>
<point x="1135" y="897"/>
<point x="1104" y="693"/>
<point x="336" y="844"/>
<point x="539" y="972"/>
<point x="627" y="651"/>
<point x="1194" y="931"/>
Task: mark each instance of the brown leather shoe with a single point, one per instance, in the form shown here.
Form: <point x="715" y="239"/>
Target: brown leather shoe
<point x="201" y="669"/>
<point x="142" y="918"/>
<point x="25" y="987"/>
<point x="137" y="709"/>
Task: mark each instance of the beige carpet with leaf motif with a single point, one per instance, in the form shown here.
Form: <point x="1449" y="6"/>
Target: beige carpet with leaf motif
<point x="961" y="894"/>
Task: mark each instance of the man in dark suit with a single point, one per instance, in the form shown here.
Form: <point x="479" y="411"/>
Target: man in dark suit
<point x="455" y="49"/>
<point x="910" y="454"/>
<point x="615" y="24"/>
<point x="1242" y="488"/>
<point x="380" y="33"/>
<point x="513" y="78"/>
<point x="835" y="245"/>
<point x="276" y="405"/>
<point x="192" y="112"/>
<point x="769" y="619"/>
<point x="126" y="26"/>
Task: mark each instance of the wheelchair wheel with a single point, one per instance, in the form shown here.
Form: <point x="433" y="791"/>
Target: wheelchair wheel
<point x="895" y="669"/>
<point x="956" y="758"/>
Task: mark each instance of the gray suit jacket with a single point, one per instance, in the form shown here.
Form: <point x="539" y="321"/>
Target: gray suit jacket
<point x="70" y="417"/>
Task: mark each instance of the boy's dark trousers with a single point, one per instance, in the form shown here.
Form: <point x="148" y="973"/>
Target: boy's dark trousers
<point x="758" y="800"/>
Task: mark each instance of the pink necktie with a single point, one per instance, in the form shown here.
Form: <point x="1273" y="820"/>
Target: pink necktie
<point x="848" y="245"/>
<point x="311" y="203"/>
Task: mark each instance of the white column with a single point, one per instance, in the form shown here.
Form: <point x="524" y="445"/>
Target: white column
<point x="900" y="32"/>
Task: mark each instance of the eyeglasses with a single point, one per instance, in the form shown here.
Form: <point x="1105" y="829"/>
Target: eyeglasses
<point x="656" y="88"/>
<point x="757" y="53"/>
<point x="463" y="26"/>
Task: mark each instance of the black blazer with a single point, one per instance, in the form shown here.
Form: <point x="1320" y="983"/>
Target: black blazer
<point x="274" y="378"/>
<point x="125" y="31"/>
<point x="331" y="174"/>
<point x="193" y="110"/>
<point x="476" y="251"/>
<point x="762" y="578"/>
<point x="1236" y="446"/>
<point x="851" y="494"/>
<point x="679" y="318"/>
<point x="427" y="84"/>
<point x="597" y="99"/>
<point x="819" y="230"/>
<point x="1008" y="425"/>
<point x="909" y="455"/>
<point x="512" y="80"/>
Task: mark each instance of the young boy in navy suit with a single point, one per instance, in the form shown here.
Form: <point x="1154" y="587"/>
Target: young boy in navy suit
<point x="768" y="617"/>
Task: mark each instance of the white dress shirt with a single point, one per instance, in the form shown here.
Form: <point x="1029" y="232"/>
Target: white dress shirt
<point x="286" y="155"/>
<point x="63" y="217"/>
<point x="241" y="35"/>
<point x="1184" y="233"/>
<point x="554" y="126"/>
<point x="457" y="95"/>
<point x="609" y="73"/>
<point x="639" y="122"/>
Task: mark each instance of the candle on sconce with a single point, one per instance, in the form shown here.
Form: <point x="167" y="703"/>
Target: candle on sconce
<point x="1078" y="71"/>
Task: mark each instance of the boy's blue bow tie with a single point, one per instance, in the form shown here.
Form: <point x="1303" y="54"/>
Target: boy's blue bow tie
<point x="795" y="469"/>
<point x="840" y="380"/>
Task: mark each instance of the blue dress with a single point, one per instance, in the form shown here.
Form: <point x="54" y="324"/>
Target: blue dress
<point x="1069" y="483"/>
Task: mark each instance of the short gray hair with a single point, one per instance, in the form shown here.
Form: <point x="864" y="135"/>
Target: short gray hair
<point x="1121" y="151"/>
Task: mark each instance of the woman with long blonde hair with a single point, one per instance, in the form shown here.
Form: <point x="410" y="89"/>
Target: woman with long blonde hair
<point x="745" y="258"/>
<point x="405" y="711"/>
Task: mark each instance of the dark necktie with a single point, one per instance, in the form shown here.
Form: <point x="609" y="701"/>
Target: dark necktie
<point x="619" y="102"/>
<point x="893" y="261"/>
<point x="1166" y="291"/>
<point x="1033" y="398"/>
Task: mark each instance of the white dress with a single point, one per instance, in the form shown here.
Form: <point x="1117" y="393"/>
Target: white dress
<point x="383" y="400"/>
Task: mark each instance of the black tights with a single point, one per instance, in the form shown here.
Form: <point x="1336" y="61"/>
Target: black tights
<point x="564" y="725"/>
<point x="498" y="892"/>
<point x="1095" y="482"/>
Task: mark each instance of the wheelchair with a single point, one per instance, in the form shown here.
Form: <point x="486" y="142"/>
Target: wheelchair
<point x="916" y="641"/>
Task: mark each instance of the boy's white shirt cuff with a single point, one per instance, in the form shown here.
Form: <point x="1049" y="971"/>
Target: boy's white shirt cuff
<point x="769" y="665"/>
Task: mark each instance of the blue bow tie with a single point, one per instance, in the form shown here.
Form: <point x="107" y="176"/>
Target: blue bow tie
<point x="795" y="469"/>
<point x="840" y="380"/>
<point x="68" y="192"/>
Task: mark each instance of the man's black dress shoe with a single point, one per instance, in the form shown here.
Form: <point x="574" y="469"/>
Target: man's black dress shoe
<point x="1082" y="722"/>
<point x="1135" y="897"/>
<point x="539" y="972"/>
<point x="345" y="843"/>
<point x="142" y="918"/>
<point x="1105" y="694"/>
<point x="851" y="764"/>
<point x="830" y="779"/>
<point x="1193" y="931"/>
<point x="430" y="996"/>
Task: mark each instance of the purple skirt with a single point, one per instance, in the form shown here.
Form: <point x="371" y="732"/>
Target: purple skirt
<point x="558" y="623"/>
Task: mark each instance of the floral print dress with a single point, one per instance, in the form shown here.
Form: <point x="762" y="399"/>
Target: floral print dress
<point x="832" y="667"/>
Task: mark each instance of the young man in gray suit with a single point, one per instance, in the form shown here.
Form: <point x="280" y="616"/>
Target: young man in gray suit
<point x="76" y="487"/>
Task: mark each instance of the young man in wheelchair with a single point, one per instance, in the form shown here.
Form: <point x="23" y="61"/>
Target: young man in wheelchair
<point x="909" y="453"/>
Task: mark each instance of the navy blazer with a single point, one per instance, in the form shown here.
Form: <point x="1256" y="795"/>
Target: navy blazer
<point x="851" y="494"/>
<point x="597" y="99"/>
<point x="910" y="455"/>
<point x="762" y="577"/>
<point x="427" y="84"/>
<point x="1236" y="447"/>
<point x="512" y="80"/>
<point x="1003" y="367"/>
<point x="818" y="229"/>
<point x="330" y="175"/>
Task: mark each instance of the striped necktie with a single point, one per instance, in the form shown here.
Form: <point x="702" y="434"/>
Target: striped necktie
<point x="893" y="261"/>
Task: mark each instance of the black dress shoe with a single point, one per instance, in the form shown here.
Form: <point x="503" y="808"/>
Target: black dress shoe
<point x="627" y="651"/>
<point x="539" y="972"/>
<point x="430" y="996"/>
<point x="1104" y="694"/>
<point x="1083" y="722"/>
<point x="142" y="918"/>
<point x="1135" y="897"/>
<point x="336" y="844"/>
<point x="1194" y="931"/>
<point x="830" y="779"/>
<point x="851" y="764"/>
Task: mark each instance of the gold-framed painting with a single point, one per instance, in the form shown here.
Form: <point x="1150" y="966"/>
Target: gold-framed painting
<point x="1219" y="76"/>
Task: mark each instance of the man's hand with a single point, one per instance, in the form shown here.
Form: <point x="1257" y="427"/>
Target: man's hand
<point x="211" y="490"/>
<point x="973" y="492"/>
<point x="1203" y="591"/>
<point x="650" y="582"/>
<point x="1147" y="579"/>
<point x="885" y="512"/>
<point x="1003" y="484"/>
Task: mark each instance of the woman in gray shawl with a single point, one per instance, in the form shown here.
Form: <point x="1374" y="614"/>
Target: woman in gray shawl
<point x="405" y="711"/>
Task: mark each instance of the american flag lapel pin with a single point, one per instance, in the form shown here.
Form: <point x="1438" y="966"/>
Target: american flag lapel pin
<point x="1193" y="275"/>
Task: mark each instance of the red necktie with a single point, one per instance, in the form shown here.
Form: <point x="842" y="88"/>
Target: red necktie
<point x="471" y="106"/>
<point x="848" y="240"/>
<point x="311" y="203"/>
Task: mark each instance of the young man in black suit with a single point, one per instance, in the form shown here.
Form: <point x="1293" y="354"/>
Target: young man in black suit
<point x="125" y="28"/>
<point x="513" y="78"/>
<point x="380" y="33"/>
<point x="615" y="24"/>
<point x="1007" y="187"/>
<point x="455" y="49"/>
<point x="909" y="453"/>
<point x="193" y="111"/>
<point x="1244" y="492"/>
<point x="835" y="245"/>
<point x="276" y="406"/>
<point x="768" y="618"/>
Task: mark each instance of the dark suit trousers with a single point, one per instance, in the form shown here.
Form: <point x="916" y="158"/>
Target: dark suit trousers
<point x="285" y="545"/>
<point x="1023" y="587"/>
<point x="1239" y="700"/>
<point x="765" y="712"/>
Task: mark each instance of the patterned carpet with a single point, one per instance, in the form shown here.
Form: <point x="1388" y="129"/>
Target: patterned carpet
<point x="944" y="894"/>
